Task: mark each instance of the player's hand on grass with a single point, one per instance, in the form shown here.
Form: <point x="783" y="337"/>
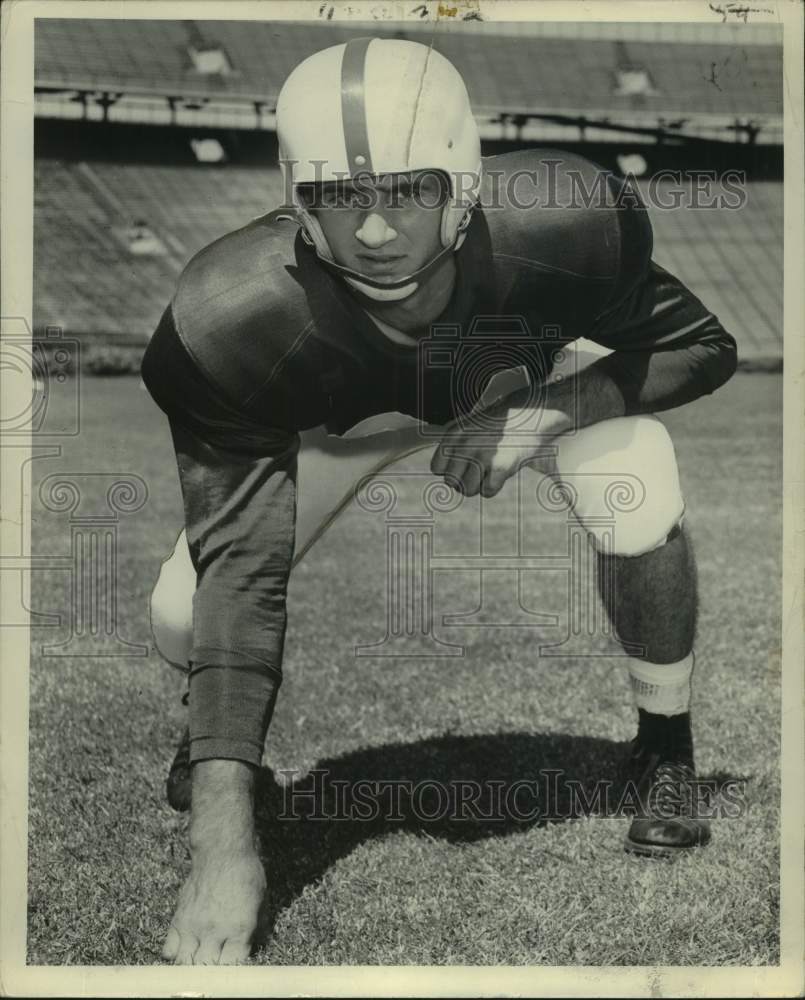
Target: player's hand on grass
<point x="216" y="916"/>
<point x="481" y="451"/>
<point x="217" y="911"/>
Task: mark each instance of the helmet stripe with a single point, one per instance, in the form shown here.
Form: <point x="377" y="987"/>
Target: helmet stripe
<point x="353" y="106"/>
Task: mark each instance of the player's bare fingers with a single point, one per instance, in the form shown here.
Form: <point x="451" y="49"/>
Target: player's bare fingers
<point x="472" y="476"/>
<point x="171" y="945"/>
<point x="451" y="445"/>
<point x="234" y="952"/>
<point x="439" y="461"/>
<point x="188" y="946"/>
<point x="454" y="474"/>
<point x="209" y="951"/>
<point x="492" y="484"/>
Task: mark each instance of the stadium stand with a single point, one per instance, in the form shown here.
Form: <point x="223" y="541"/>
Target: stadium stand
<point x="504" y="73"/>
<point x="88" y="279"/>
<point x="122" y="205"/>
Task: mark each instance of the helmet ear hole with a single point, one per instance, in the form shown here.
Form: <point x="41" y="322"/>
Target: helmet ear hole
<point x="307" y="194"/>
<point x="455" y="220"/>
<point x="312" y="233"/>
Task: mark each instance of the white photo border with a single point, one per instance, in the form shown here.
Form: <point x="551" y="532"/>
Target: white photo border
<point x="16" y="256"/>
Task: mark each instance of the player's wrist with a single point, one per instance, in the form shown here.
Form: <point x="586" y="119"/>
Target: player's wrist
<point x="222" y="817"/>
<point x="544" y="417"/>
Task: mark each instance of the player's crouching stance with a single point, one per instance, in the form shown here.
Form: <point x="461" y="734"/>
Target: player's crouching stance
<point x="289" y="328"/>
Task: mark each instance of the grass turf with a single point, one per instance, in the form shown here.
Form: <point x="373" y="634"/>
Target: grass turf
<point x="107" y="856"/>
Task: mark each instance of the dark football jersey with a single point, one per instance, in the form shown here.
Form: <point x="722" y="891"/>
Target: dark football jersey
<point x="286" y="343"/>
<point x="261" y="342"/>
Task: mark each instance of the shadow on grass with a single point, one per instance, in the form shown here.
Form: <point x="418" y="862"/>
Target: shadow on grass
<point x="310" y="822"/>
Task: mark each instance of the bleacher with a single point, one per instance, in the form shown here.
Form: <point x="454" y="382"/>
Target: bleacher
<point x="88" y="280"/>
<point x="96" y="182"/>
<point x="504" y="73"/>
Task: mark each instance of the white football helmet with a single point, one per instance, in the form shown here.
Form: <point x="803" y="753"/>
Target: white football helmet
<point x="379" y="106"/>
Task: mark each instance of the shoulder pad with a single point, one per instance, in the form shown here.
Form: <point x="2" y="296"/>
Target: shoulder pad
<point x="237" y="307"/>
<point x="556" y="211"/>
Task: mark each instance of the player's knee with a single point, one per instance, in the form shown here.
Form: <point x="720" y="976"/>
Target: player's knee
<point x="172" y="608"/>
<point x="623" y="479"/>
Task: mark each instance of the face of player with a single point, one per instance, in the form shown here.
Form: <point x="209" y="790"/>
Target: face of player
<point x="385" y="227"/>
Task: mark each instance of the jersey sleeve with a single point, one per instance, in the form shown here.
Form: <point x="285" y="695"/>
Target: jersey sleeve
<point x="238" y="488"/>
<point x="668" y="349"/>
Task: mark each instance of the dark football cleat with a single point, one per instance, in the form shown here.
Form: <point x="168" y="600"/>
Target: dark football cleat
<point x="179" y="783"/>
<point x="670" y="820"/>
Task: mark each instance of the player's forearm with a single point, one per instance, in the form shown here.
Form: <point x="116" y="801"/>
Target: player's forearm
<point x="239" y="513"/>
<point x="653" y="381"/>
<point x="584" y="399"/>
<point x="570" y="404"/>
<point x="667" y="348"/>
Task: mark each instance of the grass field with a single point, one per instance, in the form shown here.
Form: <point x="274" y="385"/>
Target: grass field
<point x="107" y="855"/>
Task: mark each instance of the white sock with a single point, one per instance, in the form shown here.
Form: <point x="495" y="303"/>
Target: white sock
<point x="662" y="688"/>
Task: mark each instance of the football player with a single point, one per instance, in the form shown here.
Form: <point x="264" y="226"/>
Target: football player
<point x="288" y="363"/>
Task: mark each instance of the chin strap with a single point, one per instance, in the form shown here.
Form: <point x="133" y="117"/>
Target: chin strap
<point x="390" y="291"/>
<point x="387" y="291"/>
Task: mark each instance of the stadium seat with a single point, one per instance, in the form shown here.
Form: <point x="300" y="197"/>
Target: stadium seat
<point x="504" y="73"/>
<point x="87" y="280"/>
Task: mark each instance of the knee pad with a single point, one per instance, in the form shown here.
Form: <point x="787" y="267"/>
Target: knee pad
<point x="622" y="481"/>
<point x="172" y="607"/>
